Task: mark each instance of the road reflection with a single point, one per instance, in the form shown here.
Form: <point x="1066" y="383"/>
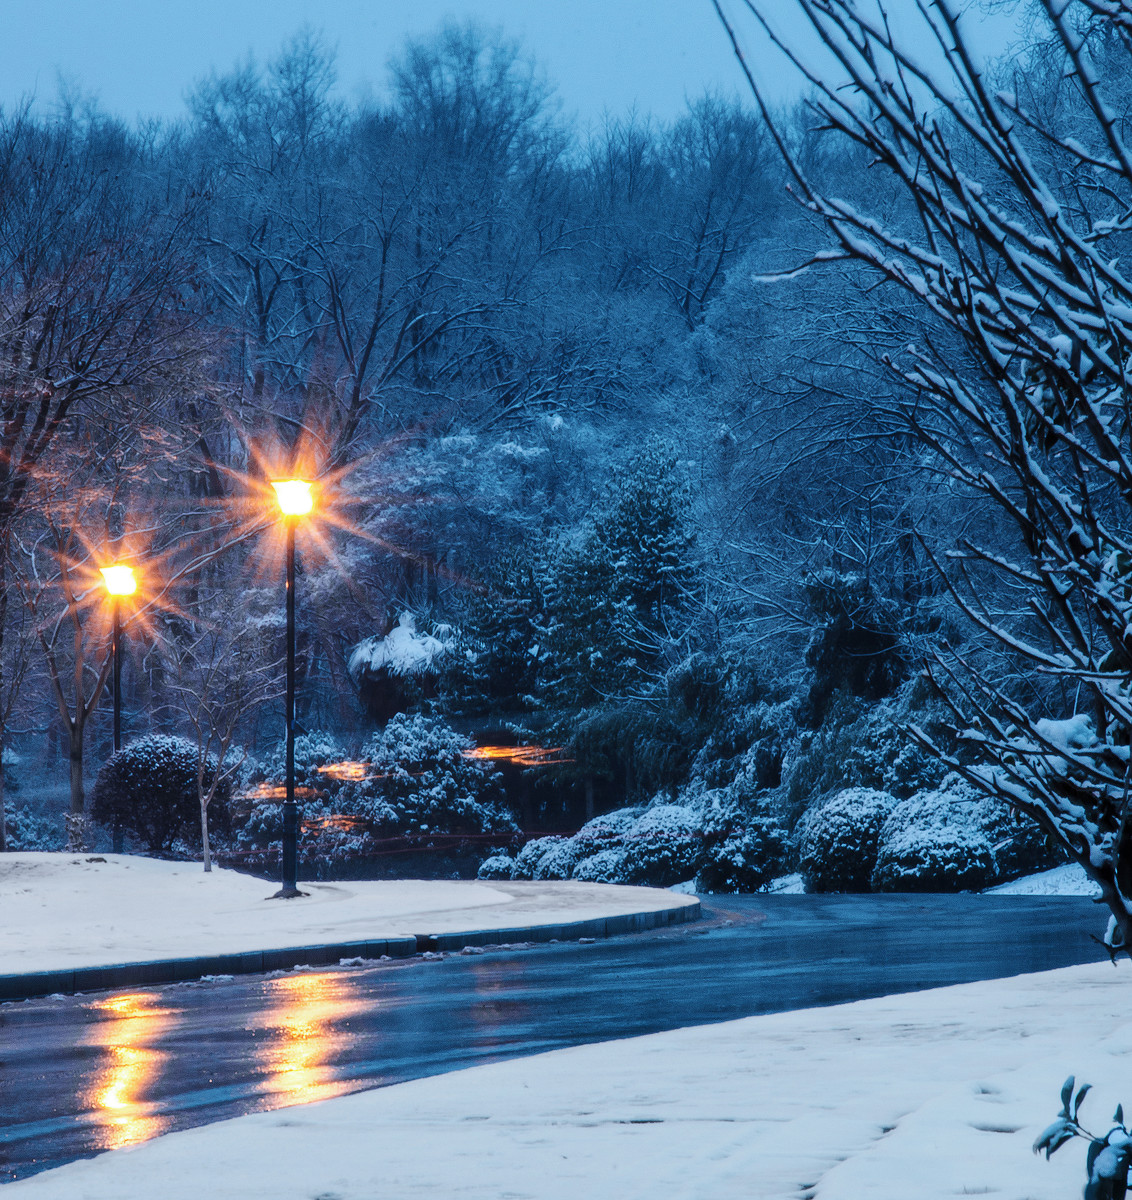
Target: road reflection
<point x="309" y="1015"/>
<point x="131" y="1024"/>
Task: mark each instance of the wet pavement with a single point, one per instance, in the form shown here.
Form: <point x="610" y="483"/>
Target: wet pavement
<point x="83" y="1074"/>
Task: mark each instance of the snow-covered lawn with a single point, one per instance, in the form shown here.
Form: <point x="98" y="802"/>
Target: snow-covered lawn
<point x="74" y="910"/>
<point x="1066" y="880"/>
<point x="935" y="1094"/>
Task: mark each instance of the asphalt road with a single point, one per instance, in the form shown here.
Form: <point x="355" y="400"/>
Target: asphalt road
<point x="83" y="1074"/>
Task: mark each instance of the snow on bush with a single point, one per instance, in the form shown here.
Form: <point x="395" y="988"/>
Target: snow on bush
<point x="498" y="866"/>
<point x="149" y="789"/>
<point x="954" y="838"/>
<point x="745" y="848"/>
<point x="948" y="858"/>
<point x="528" y="859"/>
<point x="419" y="788"/>
<point x="838" y="840"/>
<point x="664" y="846"/>
<point x="402" y="651"/>
<point x="30" y="831"/>
<point x="606" y="866"/>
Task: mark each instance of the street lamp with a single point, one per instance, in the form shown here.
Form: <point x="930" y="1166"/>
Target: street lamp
<point x="295" y="501"/>
<point x="120" y="581"/>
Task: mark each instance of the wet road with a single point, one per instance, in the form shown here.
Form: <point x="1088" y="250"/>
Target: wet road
<point x="83" y="1074"/>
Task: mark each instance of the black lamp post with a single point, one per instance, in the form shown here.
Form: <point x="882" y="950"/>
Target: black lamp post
<point x="120" y="581"/>
<point x="295" y="501"/>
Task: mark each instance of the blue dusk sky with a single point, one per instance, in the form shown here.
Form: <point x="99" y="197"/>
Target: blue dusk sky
<point x="140" y="57"/>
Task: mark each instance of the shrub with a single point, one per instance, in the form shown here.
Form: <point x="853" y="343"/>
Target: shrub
<point x="986" y="840"/>
<point x="664" y="846"/>
<point x="498" y="866"/>
<point x="948" y="858"/>
<point x="30" y="831"/>
<point x="839" y="838"/>
<point x="149" y="789"/>
<point x="420" y="786"/>
<point x="528" y="859"/>
<point x="606" y="866"/>
<point x="744" y="851"/>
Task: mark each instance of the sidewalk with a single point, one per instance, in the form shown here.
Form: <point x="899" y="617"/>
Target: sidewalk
<point x="934" y="1094"/>
<point x="75" y="922"/>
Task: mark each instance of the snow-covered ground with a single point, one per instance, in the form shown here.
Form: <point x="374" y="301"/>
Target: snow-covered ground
<point x="76" y="910"/>
<point x="935" y="1094"/>
<point x="1067" y="880"/>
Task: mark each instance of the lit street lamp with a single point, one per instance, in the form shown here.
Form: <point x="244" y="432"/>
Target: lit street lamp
<point x="120" y="581"/>
<point x="295" y="501"/>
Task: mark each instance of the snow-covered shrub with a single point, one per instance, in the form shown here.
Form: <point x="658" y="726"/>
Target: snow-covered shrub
<point x="745" y="848"/>
<point x="498" y="866"/>
<point x="954" y="838"/>
<point x="948" y="858"/>
<point x="31" y="831"/>
<point x="419" y="788"/>
<point x="838" y="840"/>
<point x="397" y="670"/>
<point x="559" y="861"/>
<point x="664" y="846"/>
<point x="312" y="751"/>
<point x="606" y="866"/>
<point x="149" y="789"/>
<point x="528" y="859"/>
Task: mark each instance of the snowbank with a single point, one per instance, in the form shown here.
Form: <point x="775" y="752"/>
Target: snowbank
<point x="935" y="1094"/>
<point x="1066" y="880"/>
<point x="76" y="910"/>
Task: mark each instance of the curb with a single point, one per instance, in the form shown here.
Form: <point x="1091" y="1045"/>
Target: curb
<point x="252" y="962"/>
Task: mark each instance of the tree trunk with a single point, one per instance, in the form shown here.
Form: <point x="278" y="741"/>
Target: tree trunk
<point x="3" y="815"/>
<point x="77" y="824"/>
<point x="204" y="834"/>
<point x="589" y="797"/>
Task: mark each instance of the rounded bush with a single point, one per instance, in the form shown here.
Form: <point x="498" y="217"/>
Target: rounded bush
<point x="606" y="866"/>
<point x="839" y="838"/>
<point x="527" y="860"/>
<point x="946" y="858"/>
<point x="149" y="789"/>
<point x="498" y="866"/>
<point x="664" y="846"/>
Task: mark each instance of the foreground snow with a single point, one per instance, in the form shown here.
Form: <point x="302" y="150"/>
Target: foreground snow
<point x="75" y="910"/>
<point x="935" y="1094"/>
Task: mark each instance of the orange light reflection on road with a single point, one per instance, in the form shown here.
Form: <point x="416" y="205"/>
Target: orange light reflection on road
<point x="133" y="1023"/>
<point x="306" y="1020"/>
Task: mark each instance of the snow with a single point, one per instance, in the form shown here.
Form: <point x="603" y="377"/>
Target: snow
<point x="1066" y="880"/>
<point x="75" y="910"/>
<point x="402" y="651"/>
<point x="937" y="1094"/>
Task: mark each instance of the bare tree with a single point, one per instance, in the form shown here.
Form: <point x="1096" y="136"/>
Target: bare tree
<point x="223" y="673"/>
<point x="1014" y="220"/>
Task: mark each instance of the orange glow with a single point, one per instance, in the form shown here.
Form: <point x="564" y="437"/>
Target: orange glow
<point x="120" y="580"/>
<point x="305" y="1023"/>
<point x="350" y="772"/>
<point x="132" y="1064"/>
<point x="343" y="822"/>
<point x="294" y="496"/>
<point x="521" y="756"/>
<point x="273" y="791"/>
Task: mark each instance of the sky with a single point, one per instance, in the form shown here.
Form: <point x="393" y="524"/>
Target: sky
<point x="140" y="57"/>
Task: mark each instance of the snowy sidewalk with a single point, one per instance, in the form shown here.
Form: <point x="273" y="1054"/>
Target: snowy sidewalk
<point x="934" y="1094"/>
<point x="64" y="911"/>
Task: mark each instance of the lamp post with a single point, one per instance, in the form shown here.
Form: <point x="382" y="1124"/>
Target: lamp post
<point x="295" y="501"/>
<point x="120" y="581"/>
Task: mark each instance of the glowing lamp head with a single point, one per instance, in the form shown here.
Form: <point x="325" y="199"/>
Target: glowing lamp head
<point x="119" y="580"/>
<point x="294" y="496"/>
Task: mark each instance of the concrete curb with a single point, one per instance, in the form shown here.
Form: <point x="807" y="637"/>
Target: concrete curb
<point x="252" y="962"/>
